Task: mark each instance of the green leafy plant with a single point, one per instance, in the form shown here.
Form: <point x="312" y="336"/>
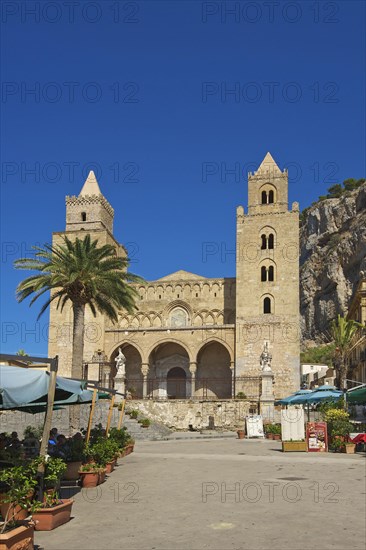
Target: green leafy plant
<point x="145" y="422"/>
<point x="241" y="395"/>
<point x="134" y="414"/>
<point x="76" y="451"/>
<point x="54" y="470"/>
<point x="18" y="486"/>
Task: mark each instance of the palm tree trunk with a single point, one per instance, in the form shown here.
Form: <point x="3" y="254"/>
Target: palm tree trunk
<point x="77" y="358"/>
<point x="78" y="340"/>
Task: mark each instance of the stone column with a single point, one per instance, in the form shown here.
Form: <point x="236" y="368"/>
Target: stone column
<point x="193" y="370"/>
<point x="144" y="370"/>
<point x="267" y="399"/>
<point x="232" y="368"/>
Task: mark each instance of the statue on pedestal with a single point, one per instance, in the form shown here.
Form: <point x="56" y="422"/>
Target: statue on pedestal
<point x="120" y="364"/>
<point x="266" y="359"/>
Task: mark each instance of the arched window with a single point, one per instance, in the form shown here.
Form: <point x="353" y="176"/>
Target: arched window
<point x="263" y="274"/>
<point x="264" y="197"/>
<point x="267" y="305"/>
<point x="271" y="273"/>
<point x="271" y="197"/>
<point x="264" y="242"/>
<point x="179" y="317"/>
<point x="271" y="241"/>
<point x="83" y="216"/>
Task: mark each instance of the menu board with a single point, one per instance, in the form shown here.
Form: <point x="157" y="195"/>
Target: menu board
<point x="317" y="437"/>
<point x="254" y="426"/>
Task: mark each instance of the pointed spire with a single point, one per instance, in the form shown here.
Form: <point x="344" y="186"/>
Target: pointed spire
<point x="90" y="186"/>
<point x="268" y="164"/>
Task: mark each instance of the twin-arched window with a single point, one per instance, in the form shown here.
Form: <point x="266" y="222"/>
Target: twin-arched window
<point x="267" y="273"/>
<point x="268" y="197"/>
<point x="267" y="241"/>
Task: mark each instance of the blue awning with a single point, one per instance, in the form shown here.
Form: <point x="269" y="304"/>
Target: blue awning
<point x="21" y="387"/>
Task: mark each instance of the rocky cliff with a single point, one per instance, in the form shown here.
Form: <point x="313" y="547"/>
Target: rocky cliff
<point x="333" y="253"/>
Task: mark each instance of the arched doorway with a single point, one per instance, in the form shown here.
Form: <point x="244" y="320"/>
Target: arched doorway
<point x="176" y="383"/>
<point x="133" y="374"/>
<point x="214" y="376"/>
<point x="169" y="375"/>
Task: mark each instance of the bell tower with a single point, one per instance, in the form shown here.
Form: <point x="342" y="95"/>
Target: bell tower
<point x="267" y="279"/>
<point x="90" y="210"/>
<point x="88" y="213"/>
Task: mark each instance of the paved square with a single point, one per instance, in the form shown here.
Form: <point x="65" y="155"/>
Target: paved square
<point x="220" y="494"/>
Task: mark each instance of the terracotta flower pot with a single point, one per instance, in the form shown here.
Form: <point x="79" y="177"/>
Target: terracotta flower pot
<point x="241" y="434"/>
<point x="270" y="436"/>
<point x="49" y="518"/>
<point x="110" y="467"/>
<point x="277" y="437"/>
<point x="20" y="538"/>
<point x="89" y="479"/>
<point x="102" y="472"/>
<point x="72" y="471"/>
<point x="349" y="449"/>
<point x="16" y="512"/>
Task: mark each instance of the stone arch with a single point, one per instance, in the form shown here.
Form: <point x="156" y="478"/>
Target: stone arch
<point x="133" y="373"/>
<point x="156" y="321"/>
<point x="267" y="270"/>
<point x="165" y="356"/>
<point x="267" y="304"/>
<point x="173" y="341"/>
<point x="267" y="238"/>
<point x="267" y="193"/>
<point x="214" y="375"/>
<point x="197" y="320"/>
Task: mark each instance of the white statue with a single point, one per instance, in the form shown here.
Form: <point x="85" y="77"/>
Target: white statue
<point x="266" y="359"/>
<point x="120" y="364"/>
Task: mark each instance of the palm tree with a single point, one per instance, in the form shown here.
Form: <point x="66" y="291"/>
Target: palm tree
<point x="85" y="274"/>
<point x="345" y="334"/>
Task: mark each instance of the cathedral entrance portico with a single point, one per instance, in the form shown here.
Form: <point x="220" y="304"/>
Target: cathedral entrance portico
<point x="170" y="377"/>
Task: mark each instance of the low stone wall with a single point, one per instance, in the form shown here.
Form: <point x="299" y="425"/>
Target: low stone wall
<point x="181" y="414"/>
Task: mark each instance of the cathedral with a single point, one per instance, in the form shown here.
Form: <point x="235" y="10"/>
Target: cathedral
<point x="194" y="337"/>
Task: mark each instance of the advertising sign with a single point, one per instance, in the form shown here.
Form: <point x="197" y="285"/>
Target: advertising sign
<point x="255" y="426"/>
<point x="316" y="437"/>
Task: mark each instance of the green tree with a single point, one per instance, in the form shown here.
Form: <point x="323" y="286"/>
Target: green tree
<point x="345" y="333"/>
<point x="85" y="274"/>
<point x="335" y="191"/>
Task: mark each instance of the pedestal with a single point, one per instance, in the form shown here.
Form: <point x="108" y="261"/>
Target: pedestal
<point x="120" y="386"/>
<point x="267" y="399"/>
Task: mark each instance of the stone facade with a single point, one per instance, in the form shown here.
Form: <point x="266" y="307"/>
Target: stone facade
<point x="192" y="336"/>
<point x="357" y="312"/>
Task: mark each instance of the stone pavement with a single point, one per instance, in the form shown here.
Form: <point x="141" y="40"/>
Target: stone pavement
<point x="222" y="494"/>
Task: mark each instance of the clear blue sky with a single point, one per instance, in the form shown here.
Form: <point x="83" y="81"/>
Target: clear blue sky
<point x="142" y="90"/>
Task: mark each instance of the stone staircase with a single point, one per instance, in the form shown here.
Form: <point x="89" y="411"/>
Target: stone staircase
<point x="154" y="432"/>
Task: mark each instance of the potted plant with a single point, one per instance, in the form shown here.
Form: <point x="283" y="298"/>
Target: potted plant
<point x="134" y="414"/>
<point x="276" y="431"/>
<point x="241" y="395"/>
<point x="18" y="484"/>
<point x="75" y="459"/>
<point x="348" y="447"/>
<point x="90" y="475"/>
<point x="53" y="511"/>
<point x="241" y="434"/>
<point x="268" y="430"/>
<point x="145" y="422"/>
<point x="338" y="427"/>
